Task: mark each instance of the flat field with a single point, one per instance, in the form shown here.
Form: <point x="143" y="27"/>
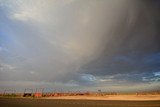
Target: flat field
<point x="111" y="97"/>
<point x="32" y="102"/>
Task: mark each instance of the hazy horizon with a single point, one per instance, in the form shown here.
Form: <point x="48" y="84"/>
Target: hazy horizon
<point x="85" y="45"/>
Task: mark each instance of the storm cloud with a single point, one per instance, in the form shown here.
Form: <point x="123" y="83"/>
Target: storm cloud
<point x="80" y="44"/>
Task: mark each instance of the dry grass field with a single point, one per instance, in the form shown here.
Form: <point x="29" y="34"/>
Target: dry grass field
<point x="84" y="101"/>
<point x="111" y="97"/>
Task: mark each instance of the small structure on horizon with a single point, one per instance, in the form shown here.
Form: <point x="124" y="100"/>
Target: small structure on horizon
<point x="28" y="92"/>
<point x="39" y="92"/>
<point x="9" y="92"/>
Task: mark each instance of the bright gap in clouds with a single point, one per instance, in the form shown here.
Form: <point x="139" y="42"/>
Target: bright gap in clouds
<point x="79" y="44"/>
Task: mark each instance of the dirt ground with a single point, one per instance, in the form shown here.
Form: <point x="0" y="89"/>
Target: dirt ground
<point x="34" y="102"/>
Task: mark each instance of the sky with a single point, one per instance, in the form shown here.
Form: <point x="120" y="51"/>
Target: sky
<point x="80" y="45"/>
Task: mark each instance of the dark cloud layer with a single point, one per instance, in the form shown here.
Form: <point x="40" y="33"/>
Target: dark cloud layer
<point x="133" y="47"/>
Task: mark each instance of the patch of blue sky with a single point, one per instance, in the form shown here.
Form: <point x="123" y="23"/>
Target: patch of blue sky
<point x="156" y="73"/>
<point x="6" y="36"/>
<point x="151" y="77"/>
<point x="4" y="39"/>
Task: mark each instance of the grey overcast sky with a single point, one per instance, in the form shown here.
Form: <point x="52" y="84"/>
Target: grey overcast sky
<point x="112" y="45"/>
